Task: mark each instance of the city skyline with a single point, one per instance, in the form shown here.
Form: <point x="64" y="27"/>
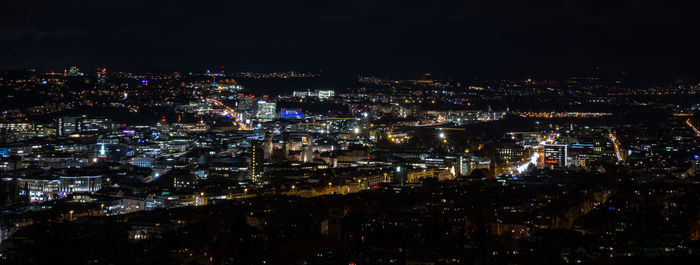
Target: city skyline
<point x="349" y="132"/>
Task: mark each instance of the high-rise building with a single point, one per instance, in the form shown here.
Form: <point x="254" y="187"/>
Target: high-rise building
<point x="245" y="103"/>
<point x="555" y="155"/>
<point x="257" y="161"/>
<point x="266" y="110"/>
<point x="101" y="76"/>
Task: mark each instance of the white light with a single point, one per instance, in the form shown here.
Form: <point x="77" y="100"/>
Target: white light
<point x="365" y="114"/>
<point x="356" y="130"/>
<point x="442" y="135"/>
<point x="533" y="161"/>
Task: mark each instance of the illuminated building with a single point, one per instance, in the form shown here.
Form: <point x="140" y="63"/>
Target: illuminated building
<point x="555" y="155"/>
<point x="468" y="163"/>
<point x="142" y="162"/>
<point x="68" y="125"/>
<point x="101" y="76"/>
<point x="95" y="125"/>
<point x="301" y="94"/>
<point x="191" y="127"/>
<point x="509" y="152"/>
<point x="290" y="114"/>
<point x="266" y="110"/>
<point x="439" y="174"/>
<point x="102" y="151"/>
<point x="325" y="94"/>
<point x="81" y="124"/>
<point x="578" y="153"/>
<point x="39" y="189"/>
<point x="257" y="160"/>
<point x="245" y="103"/>
<point x="80" y="183"/>
<point x="321" y="94"/>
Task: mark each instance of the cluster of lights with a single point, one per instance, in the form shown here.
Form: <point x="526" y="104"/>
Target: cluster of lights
<point x="398" y="138"/>
<point x="277" y="75"/>
<point x="616" y="145"/>
<point x="533" y="161"/>
<point x="562" y="114"/>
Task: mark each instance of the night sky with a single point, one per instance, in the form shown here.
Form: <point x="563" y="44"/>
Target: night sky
<point x="504" y="37"/>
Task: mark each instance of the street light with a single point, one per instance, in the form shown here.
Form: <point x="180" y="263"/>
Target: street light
<point x="442" y="135"/>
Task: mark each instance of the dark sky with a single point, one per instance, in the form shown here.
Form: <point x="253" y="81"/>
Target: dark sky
<point x="506" y="37"/>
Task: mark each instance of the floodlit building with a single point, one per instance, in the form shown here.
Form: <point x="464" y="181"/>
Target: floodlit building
<point x="290" y="114"/>
<point x="266" y="110"/>
<point x="325" y="94"/>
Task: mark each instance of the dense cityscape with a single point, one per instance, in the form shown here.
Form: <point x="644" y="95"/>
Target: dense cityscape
<point x="481" y="132"/>
<point x="202" y="168"/>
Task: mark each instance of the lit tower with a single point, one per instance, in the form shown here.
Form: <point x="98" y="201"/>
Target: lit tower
<point x="101" y="76"/>
<point x="257" y="159"/>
